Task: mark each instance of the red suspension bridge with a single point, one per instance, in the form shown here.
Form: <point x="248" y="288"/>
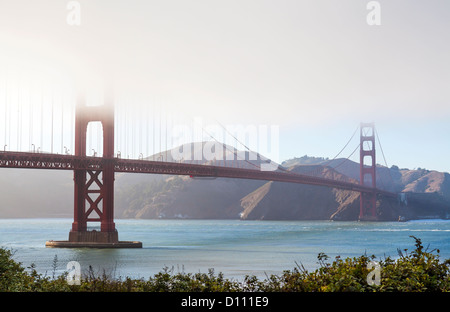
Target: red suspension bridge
<point x="94" y="176"/>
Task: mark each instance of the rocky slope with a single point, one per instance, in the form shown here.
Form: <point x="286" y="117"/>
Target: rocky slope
<point x="289" y="201"/>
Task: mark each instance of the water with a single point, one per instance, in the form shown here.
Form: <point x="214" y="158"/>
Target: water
<point x="233" y="247"/>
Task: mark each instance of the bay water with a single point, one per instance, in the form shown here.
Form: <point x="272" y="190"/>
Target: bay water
<point x="234" y="247"/>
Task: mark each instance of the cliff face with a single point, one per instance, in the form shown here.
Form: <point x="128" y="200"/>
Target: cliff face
<point x="288" y="201"/>
<point x="424" y="181"/>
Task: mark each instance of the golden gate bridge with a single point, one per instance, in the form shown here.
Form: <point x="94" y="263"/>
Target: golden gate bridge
<point x="94" y="171"/>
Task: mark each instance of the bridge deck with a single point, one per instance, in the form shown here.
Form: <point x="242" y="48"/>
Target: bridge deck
<point x="70" y="162"/>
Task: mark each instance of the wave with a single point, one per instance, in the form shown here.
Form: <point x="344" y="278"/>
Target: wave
<point x="405" y="230"/>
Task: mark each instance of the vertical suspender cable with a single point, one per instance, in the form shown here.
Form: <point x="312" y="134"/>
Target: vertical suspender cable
<point x="147" y="120"/>
<point x="9" y="124"/>
<point x="125" y="141"/>
<point x="62" y="125"/>
<point x="133" y="134"/>
<point x="30" y="135"/>
<point x="116" y="138"/>
<point x="53" y="94"/>
<point x="42" y="117"/>
<point x="160" y="126"/>
<point x="72" y="120"/>
<point x="140" y="121"/>
<point x="166" y="136"/>
<point x="18" y="115"/>
<point x="153" y="132"/>
<point x="6" y="106"/>
<point x="118" y="129"/>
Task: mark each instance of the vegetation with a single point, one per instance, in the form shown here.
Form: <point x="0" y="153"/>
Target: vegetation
<point x="132" y="198"/>
<point x="418" y="271"/>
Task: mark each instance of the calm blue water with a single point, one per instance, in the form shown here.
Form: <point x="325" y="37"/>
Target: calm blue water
<point x="233" y="247"/>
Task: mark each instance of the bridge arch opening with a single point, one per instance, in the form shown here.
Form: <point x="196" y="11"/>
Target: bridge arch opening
<point x="367" y="146"/>
<point x="368" y="161"/>
<point x="94" y="139"/>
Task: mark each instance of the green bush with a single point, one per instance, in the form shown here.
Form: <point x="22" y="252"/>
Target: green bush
<point x="420" y="271"/>
<point x="12" y="275"/>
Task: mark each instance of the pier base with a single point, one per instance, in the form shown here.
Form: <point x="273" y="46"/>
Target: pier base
<point x="93" y="239"/>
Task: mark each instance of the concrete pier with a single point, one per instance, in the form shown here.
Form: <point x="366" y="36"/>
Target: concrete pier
<point x="93" y="239"/>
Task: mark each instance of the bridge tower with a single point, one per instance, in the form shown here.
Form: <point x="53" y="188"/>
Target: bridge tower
<point x="94" y="189"/>
<point x="367" y="170"/>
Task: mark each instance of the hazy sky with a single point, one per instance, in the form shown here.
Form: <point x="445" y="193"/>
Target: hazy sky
<point x="315" y="68"/>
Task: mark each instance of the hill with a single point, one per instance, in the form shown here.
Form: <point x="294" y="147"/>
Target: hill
<point x="162" y="196"/>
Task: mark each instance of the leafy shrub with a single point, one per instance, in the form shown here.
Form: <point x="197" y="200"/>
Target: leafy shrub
<point x="12" y="275"/>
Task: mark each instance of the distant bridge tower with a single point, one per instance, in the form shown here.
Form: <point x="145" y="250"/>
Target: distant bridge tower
<point x="367" y="169"/>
